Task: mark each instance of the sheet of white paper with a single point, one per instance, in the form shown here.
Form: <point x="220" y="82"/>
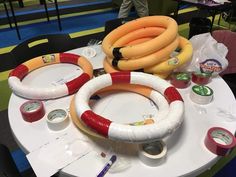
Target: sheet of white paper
<point x="57" y="154"/>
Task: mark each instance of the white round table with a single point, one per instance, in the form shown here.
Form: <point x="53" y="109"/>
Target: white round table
<point x="186" y="156"/>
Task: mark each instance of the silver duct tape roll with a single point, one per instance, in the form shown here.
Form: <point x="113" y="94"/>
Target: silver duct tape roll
<point x="201" y="94"/>
<point x="152" y="154"/>
<point x="58" y="119"/>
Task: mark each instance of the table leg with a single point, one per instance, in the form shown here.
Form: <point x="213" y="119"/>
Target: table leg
<point x="230" y="18"/>
<point x="219" y="19"/>
<point x="46" y="9"/>
<point x="177" y="11"/>
<point x="58" y="15"/>
<point x="14" y="19"/>
<point x="7" y="13"/>
<point x="213" y="19"/>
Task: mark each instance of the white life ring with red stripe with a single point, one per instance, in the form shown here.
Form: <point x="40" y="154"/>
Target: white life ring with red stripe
<point x="124" y="132"/>
<point x="67" y="88"/>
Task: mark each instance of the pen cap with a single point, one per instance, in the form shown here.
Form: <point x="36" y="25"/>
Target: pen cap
<point x="113" y="158"/>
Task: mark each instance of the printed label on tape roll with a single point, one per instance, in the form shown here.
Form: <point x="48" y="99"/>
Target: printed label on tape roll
<point x="201" y="94"/>
<point x="219" y="141"/>
<point x="32" y="110"/>
<point x="57" y="119"/>
<point x="152" y="154"/>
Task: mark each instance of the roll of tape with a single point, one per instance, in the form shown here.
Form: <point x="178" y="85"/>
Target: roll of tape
<point x="201" y="94"/>
<point x="219" y="141"/>
<point x="201" y="78"/>
<point x="152" y="154"/>
<point x="32" y="110"/>
<point x="180" y="80"/>
<point x="58" y="119"/>
<point x="89" y="52"/>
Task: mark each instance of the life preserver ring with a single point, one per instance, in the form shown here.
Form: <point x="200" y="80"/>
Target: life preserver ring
<point x="145" y="61"/>
<point x="139" y="89"/>
<point x="137" y="34"/>
<point x="128" y="133"/>
<point x="162" y="75"/>
<point x="169" y="65"/>
<point x="108" y="68"/>
<point x="160" y="69"/>
<point x="140" y="40"/>
<point x="68" y="88"/>
<point x="145" y="48"/>
<point x="140" y="36"/>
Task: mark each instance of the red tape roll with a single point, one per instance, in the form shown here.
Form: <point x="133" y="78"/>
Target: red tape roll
<point x="180" y="80"/>
<point x="219" y="141"/>
<point x="201" y="78"/>
<point x="32" y="110"/>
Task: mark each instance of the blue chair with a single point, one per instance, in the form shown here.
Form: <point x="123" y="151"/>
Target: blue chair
<point x="8" y="167"/>
<point x="41" y="45"/>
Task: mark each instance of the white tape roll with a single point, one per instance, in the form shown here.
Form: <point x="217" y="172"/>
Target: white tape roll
<point x="201" y="94"/>
<point x="152" y="154"/>
<point x="58" y="119"/>
<point x="89" y="52"/>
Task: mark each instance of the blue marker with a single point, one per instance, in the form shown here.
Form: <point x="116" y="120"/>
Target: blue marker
<point x="107" y="166"/>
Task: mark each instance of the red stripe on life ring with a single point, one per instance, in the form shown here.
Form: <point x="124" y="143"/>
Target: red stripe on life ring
<point x="69" y="58"/>
<point x="171" y="94"/>
<point x="96" y="122"/>
<point x="20" y="71"/>
<point x="120" y="77"/>
<point x="76" y="83"/>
